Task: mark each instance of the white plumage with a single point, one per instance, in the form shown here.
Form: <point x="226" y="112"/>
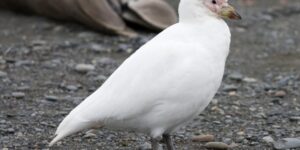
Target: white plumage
<point x="165" y="83"/>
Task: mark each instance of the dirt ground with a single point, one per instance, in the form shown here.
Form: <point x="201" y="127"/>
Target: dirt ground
<point x="40" y="81"/>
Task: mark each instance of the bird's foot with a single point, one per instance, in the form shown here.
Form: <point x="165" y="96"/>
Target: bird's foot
<point x="169" y="142"/>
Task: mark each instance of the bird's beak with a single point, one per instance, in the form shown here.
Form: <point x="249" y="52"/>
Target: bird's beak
<point x="229" y="12"/>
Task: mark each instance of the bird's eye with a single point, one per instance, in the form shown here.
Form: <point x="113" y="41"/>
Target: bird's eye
<point x="214" y="1"/>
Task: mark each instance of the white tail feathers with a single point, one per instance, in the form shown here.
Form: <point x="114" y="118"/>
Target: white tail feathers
<point x="68" y="126"/>
<point x="56" y="139"/>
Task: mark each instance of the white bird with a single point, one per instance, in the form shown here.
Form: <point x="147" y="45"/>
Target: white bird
<point x="165" y="83"/>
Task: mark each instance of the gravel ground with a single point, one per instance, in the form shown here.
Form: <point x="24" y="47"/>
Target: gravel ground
<point x="48" y="67"/>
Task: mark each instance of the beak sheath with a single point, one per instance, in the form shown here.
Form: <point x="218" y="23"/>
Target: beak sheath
<point x="229" y="12"/>
<point x="235" y="15"/>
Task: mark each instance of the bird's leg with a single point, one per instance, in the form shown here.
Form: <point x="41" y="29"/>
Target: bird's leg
<point x="169" y="142"/>
<point x="155" y="144"/>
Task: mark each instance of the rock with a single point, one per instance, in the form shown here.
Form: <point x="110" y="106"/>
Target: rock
<point x="72" y="87"/>
<point x="249" y="80"/>
<point x="18" y="95"/>
<point x="203" y="138"/>
<point x="24" y="63"/>
<point x="295" y="118"/>
<point x="287" y="143"/>
<point x="284" y="81"/>
<point x="232" y="93"/>
<point x="233" y="145"/>
<point x="268" y="139"/>
<point x="100" y="78"/>
<point x="98" y="48"/>
<point x="236" y="76"/>
<point x="3" y="74"/>
<point x="145" y="146"/>
<point x="104" y="61"/>
<point x="229" y="88"/>
<point x="84" y="68"/>
<point x="10" y="130"/>
<point x="217" y="145"/>
<point x="51" y="98"/>
<point x="227" y="140"/>
<point x="124" y="48"/>
<point x="38" y="43"/>
<point x="23" y="88"/>
<point x="280" y="94"/>
<point x="297" y="130"/>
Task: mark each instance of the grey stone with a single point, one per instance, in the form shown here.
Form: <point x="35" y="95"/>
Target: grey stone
<point x="287" y="143"/>
<point x="100" y="78"/>
<point x="295" y="118"/>
<point x="10" y="130"/>
<point x="3" y="74"/>
<point x="249" y="80"/>
<point x="236" y="76"/>
<point x="84" y="68"/>
<point x="24" y="63"/>
<point x="18" y="94"/>
<point x="51" y="98"/>
<point x="72" y="87"/>
<point x="228" y="88"/>
<point x="145" y="146"/>
<point x="98" y="48"/>
<point x="268" y="139"/>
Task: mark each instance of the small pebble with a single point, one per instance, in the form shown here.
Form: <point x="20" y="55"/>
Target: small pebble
<point x="100" y="78"/>
<point x="295" y="118"/>
<point x="268" y="139"/>
<point x="72" y="87"/>
<point x="3" y="74"/>
<point x="287" y="143"/>
<point x="11" y="130"/>
<point x="145" y="146"/>
<point x="280" y="94"/>
<point x="233" y="145"/>
<point x="203" y="138"/>
<point x="18" y="95"/>
<point x="51" y="98"/>
<point x="217" y="145"/>
<point x="249" y="80"/>
<point x="236" y="76"/>
<point x="84" y="68"/>
<point x="230" y="88"/>
<point x="98" y="48"/>
<point x="232" y="93"/>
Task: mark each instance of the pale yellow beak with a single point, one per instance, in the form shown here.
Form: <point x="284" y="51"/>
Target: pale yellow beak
<point x="229" y="12"/>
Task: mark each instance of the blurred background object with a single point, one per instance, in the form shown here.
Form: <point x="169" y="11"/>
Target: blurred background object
<point x="110" y="16"/>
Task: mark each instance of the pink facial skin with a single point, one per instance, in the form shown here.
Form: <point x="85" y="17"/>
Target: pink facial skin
<point x="215" y="5"/>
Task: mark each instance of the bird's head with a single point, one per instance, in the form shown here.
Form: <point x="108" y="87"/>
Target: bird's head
<point x="222" y="9"/>
<point x="213" y="8"/>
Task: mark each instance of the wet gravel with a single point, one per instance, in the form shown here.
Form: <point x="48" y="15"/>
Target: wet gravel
<point x="48" y="67"/>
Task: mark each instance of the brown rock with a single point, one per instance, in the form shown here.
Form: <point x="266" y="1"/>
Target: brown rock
<point x="280" y="94"/>
<point x="203" y="138"/>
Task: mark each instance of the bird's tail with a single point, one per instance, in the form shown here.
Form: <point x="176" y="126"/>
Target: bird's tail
<point x="70" y="125"/>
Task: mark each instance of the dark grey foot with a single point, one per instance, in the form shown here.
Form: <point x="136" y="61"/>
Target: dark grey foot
<point x="155" y="144"/>
<point x="169" y="142"/>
